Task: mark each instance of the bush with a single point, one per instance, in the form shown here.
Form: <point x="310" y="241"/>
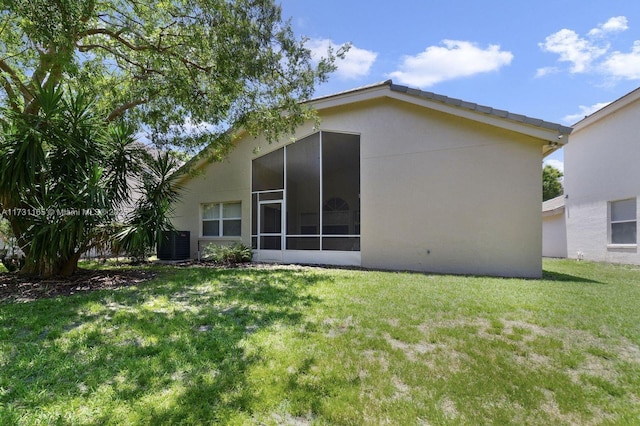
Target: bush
<point x="13" y="262"/>
<point x="227" y="255"/>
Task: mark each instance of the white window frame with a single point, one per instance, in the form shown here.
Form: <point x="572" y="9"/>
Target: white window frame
<point x="221" y="219"/>
<point x="612" y="222"/>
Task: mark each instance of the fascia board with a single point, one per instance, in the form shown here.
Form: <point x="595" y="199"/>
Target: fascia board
<point x="608" y="110"/>
<point x="547" y="135"/>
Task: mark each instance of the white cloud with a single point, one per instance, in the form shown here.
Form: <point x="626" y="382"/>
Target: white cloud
<point x="541" y="72"/>
<point x="624" y="65"/>
<point x="584" y="111"/>
<point x="455" y="59"/>
<point x="613" y="25"/>
<point x="591" y="52"/>
<point x="580" y="52"/>
<point x="356" y="63"/>
<point x="555" y="163"/>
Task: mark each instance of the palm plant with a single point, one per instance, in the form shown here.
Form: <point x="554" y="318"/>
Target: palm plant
<point x="145" y="226"/>
<point x="63" y="175"/>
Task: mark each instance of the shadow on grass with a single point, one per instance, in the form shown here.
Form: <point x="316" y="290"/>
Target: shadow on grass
<point x="557" y="276"/>
<point x="173" y="350"/>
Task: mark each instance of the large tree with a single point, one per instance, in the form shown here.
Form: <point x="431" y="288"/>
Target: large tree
<point x="167" y="67"/>
<point x="551" y="182"/>
<point x="168" y="64"/>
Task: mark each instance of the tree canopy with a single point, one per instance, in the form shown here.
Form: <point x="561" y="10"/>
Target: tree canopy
<point x="551" y="182"/>
<point x="167" y="65"/>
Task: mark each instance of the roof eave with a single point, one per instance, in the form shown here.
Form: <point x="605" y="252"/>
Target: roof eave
<point x="608" y="110"/>
<point x="555" y="134"/>
<point x="554" y="212"/>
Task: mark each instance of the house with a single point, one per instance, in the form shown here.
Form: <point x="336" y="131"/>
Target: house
<point x="554" y="234"/>
<point x="602" y="184"/>
<point x="393" y="178"/>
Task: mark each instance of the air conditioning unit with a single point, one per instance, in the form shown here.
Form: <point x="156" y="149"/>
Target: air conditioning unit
<point x="175" y="245"/>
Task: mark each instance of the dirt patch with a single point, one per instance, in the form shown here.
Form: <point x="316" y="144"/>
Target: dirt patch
<point x="449" y="408"/>
<point x="19" y="288"/>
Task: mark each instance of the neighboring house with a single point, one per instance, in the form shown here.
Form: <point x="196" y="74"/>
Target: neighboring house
<point x="554" y="231"/>
<point x="602" y="183"/>
<point x="394" y="178"/>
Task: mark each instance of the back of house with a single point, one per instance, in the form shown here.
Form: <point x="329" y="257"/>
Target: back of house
<point x="393" y="178"/>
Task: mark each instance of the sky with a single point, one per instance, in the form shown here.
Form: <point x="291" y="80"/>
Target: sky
<point x="553" y="60"/>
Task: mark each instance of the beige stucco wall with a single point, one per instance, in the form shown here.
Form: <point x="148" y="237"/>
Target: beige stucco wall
<point x="438" y="193"/>
<point x="444" y="194"/>
<point x="601" y="165"/>
<point x="225" y="181"/>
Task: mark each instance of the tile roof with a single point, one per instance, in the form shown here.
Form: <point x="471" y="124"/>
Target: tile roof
<point x="459" y="103"/>
<point x="480" y="108"/>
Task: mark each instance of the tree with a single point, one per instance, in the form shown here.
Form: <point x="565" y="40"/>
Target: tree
<point x="160" y="189"/>
<point x="168" y="67"/>
<point x="65" y="175"/>
<point x="551" y="182"/>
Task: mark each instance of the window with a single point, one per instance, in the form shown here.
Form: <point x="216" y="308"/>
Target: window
<point x="622" y="229"/>
<point x="221" y="220"/>
<point x="335" y="214"/>
<point x="268" y="171"/>
<point x="303" y="187"/>
<point x="340" y="191"/>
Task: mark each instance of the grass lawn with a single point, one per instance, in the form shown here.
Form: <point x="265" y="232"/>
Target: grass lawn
<point x="325" y="346"/>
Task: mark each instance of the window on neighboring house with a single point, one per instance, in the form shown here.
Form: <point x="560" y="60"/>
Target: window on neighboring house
<point x="623" y="225"/>
<point x="221" y="220"/>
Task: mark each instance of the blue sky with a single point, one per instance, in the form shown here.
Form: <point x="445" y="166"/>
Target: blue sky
<point x="555" y="60"/>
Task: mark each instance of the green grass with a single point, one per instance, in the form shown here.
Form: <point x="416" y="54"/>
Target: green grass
<point x="323" y="346"/>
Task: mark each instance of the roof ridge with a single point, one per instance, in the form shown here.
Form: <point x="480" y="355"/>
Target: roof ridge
<point x="472" y="106"/>
<point x="454" y="102"/>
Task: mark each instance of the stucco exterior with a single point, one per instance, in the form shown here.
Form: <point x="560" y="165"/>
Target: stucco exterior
<point x="601" y="166"/>
<point x="443" y="189"/>
<point x="554" y="228"/>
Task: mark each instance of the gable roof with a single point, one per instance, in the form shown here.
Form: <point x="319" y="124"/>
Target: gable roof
<point x="553" y="206"/>
<point x="608" y="109"/>
<point x="555" y="134"/>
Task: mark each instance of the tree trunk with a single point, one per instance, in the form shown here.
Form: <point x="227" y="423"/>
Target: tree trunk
<point x="69" y="267"/>
<point x="45" y="268"/>
<point x="38" y="267"/>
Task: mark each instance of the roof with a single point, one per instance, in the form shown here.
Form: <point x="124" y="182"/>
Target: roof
<point x="483" y="109"/>
<point x="608" y="109"/>
<point x="554" y="133"/>
<point x="553" y="206"/>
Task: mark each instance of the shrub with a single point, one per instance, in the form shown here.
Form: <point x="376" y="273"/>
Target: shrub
<point x="227" y="255"/>
<point x="14" y="263"/>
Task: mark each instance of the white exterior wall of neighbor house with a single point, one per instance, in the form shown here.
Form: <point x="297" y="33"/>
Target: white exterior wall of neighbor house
<point x="554" y="231"/>
<point x="554" y="236"/>
<point x="439" y="193"/>
<point x="601" y="165"/>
